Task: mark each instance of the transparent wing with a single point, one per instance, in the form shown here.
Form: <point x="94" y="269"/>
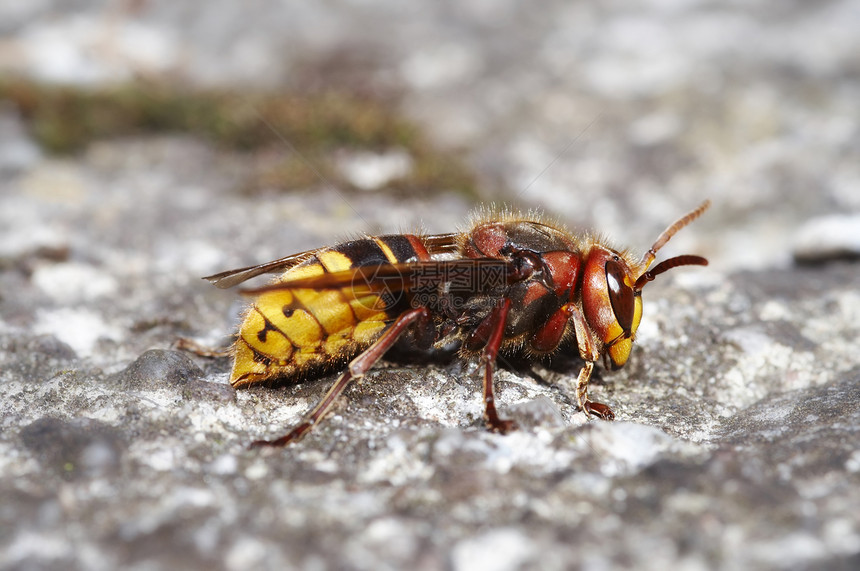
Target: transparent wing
<point x="230" y="278"/>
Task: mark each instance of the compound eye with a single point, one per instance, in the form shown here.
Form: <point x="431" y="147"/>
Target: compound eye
<point x="620" y="296"/>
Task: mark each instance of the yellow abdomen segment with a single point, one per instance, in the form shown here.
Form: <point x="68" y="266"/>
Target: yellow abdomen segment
<point x="289" y="331"/>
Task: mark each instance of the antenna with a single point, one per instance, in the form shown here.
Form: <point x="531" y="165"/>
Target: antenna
<point x="649" y="256"/>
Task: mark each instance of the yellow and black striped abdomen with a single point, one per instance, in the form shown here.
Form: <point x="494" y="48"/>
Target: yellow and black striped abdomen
<point x="292" y="331"/>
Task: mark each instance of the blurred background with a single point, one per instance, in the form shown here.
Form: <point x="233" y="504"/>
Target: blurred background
<point x="613" y="115"/>
<point x="146" y="143"/>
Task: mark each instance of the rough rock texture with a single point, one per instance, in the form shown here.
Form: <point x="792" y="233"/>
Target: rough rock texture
<point x="738" y="423"/>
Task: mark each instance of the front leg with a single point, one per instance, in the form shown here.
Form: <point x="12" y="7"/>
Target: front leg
<point x="590" y="407"/>
<point x="589" y="353"/>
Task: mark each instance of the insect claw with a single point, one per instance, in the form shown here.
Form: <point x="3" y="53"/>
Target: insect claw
<point x="502" y="426"/>
<point x="192" y="346"/>
<point x="599" y="410"/>
<point x="278" y="443"/>
<point x="294" y="435"/>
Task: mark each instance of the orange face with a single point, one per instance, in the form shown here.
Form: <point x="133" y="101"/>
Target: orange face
<point x="612" y="308"/>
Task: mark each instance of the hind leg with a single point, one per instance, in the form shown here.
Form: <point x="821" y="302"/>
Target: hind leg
<point x="357" y="368"/>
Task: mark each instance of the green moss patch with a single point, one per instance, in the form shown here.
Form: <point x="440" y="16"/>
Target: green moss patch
<point x="313" y="126"/>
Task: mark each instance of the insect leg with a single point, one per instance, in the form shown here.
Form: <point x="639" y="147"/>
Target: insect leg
<point x="192" y="346"/>
<point x="547" y="338"/>
<point x="589" y="353"/>
<point x="357" y="368"/>
<point x="491" y="350"/>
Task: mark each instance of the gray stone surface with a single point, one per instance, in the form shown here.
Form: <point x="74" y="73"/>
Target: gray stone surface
<point x="736" y="439"/>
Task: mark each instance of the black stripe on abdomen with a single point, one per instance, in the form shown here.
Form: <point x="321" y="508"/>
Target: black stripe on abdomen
<point x="364" y="252"/>
<point x="400" y="246"/>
